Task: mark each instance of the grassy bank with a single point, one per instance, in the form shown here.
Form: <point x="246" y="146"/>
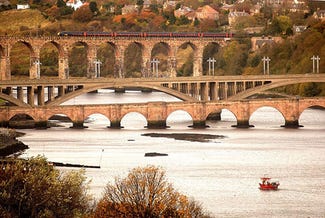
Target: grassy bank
<point x="8" y="142"/>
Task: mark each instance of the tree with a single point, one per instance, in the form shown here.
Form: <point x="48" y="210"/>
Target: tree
<point x="93" y="7"/>
<point x="60" y="3"/>
<point x="145" y="192"/>
<point x="82" y="14"/>
<point x="33" y="188"/>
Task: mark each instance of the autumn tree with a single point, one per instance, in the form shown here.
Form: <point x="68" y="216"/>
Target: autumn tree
<point x="145" y="192"/>
<point x="83" y="14"/>
<point x="33" y="188"/>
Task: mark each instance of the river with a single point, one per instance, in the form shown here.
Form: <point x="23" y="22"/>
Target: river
<point x="222" y="174"/>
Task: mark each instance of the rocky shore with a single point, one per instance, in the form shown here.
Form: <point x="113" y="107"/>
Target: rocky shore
<point x="9" y="144"/>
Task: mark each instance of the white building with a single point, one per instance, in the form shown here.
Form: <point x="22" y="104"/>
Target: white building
<point x="75" y="4"/>
<point x="22" y="6"/>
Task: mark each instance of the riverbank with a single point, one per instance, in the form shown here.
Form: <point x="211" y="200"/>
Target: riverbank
<point x="9" y="144"/>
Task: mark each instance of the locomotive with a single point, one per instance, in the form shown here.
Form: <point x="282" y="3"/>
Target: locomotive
<point x="147" y="34"/>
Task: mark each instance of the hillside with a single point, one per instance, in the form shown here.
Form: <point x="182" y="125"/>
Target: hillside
<point x="13" y="21"/>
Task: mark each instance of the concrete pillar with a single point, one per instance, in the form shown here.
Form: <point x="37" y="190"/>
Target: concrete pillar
<point x="20" y="93"/>
<point x="30" y="96"/>
<point x="50" y="93"/>
<point x="204" y="91"/>
<point x="40" y="96"/>
<point x="61" y="91"/>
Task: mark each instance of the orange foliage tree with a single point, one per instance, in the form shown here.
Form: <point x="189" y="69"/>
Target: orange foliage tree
<point x="145" y="192"/>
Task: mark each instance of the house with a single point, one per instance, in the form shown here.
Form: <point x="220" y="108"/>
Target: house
<point x="130" y="9"/>
<point x="259" y="42"/>
<point x="207" y="13"/>
<point x="170" y="5"/>
<point x="182" y="11"/>
<point x="298" y="29"/>
<point x="22" y="6"/>
<point x="75" y="4"/>
<point x="319" y="14"/>
<point x="234" y="15"/>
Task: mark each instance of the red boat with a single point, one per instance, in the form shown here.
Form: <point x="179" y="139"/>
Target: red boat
<point x="268" y="184"/>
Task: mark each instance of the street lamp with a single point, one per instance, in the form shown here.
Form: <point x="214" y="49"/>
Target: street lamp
<point x="211" y="62"/>
<point x="317" y="59"/>
<point x="97" y="67"/>
<point x="266" y="65"/>
<point x="155" y="63"/>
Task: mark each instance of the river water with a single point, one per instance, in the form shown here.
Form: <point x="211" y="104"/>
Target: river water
<point x="222" y="174"/>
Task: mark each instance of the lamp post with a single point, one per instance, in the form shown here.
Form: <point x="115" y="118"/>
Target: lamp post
<point x="155" y="63"/>
<point x="266" y="65"/>
<point x="315" y="59"/>
<point x="211" y="62"/>
<point x="97" y="67"/>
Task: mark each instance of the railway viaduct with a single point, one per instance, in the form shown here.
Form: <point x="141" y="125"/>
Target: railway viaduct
<point x="63" y="44"/>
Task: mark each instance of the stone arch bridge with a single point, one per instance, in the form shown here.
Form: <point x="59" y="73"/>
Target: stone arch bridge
<point x="156" y="113"/>
<point x="64" y="43"/>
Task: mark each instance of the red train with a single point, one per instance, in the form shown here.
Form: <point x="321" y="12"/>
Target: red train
<point x="147" y="34"/>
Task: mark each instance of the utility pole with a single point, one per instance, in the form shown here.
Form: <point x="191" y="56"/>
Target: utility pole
<point x="211" y="62"/>
<point x="266" y="65"/>
<point x="317" y="59"/>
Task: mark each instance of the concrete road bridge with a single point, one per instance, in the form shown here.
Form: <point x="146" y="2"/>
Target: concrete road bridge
<point x="53" y="91"/>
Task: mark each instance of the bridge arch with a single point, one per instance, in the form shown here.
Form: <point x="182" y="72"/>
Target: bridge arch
<point x="19" y="115"/>
<point x="185" y="56"/>
<point x="133" y="53"/>
<point x="137" y="123"/>
<point x="22" y="57"/>
<point x="78" y="59"/>
<point x="270" y="112"/>
<point x="210" y="52"/>
<point x="107" y="54"/>
<point x="177" y="116"/>
<point x="50" y="53"/>
<point x="102" y="116"/>
<point x="161" y="51"/>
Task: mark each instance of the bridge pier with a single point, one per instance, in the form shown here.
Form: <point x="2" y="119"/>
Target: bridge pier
<point x="4" y="123"/>
<point x="159" y="124"/>
<point x="242" y="124"/>
<point x="292" y="124"/>
<point x="78" y="125"/>
<point x="41" y="124"/>
<point x="115" y="124"/>
<point x="199" y="124"/>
